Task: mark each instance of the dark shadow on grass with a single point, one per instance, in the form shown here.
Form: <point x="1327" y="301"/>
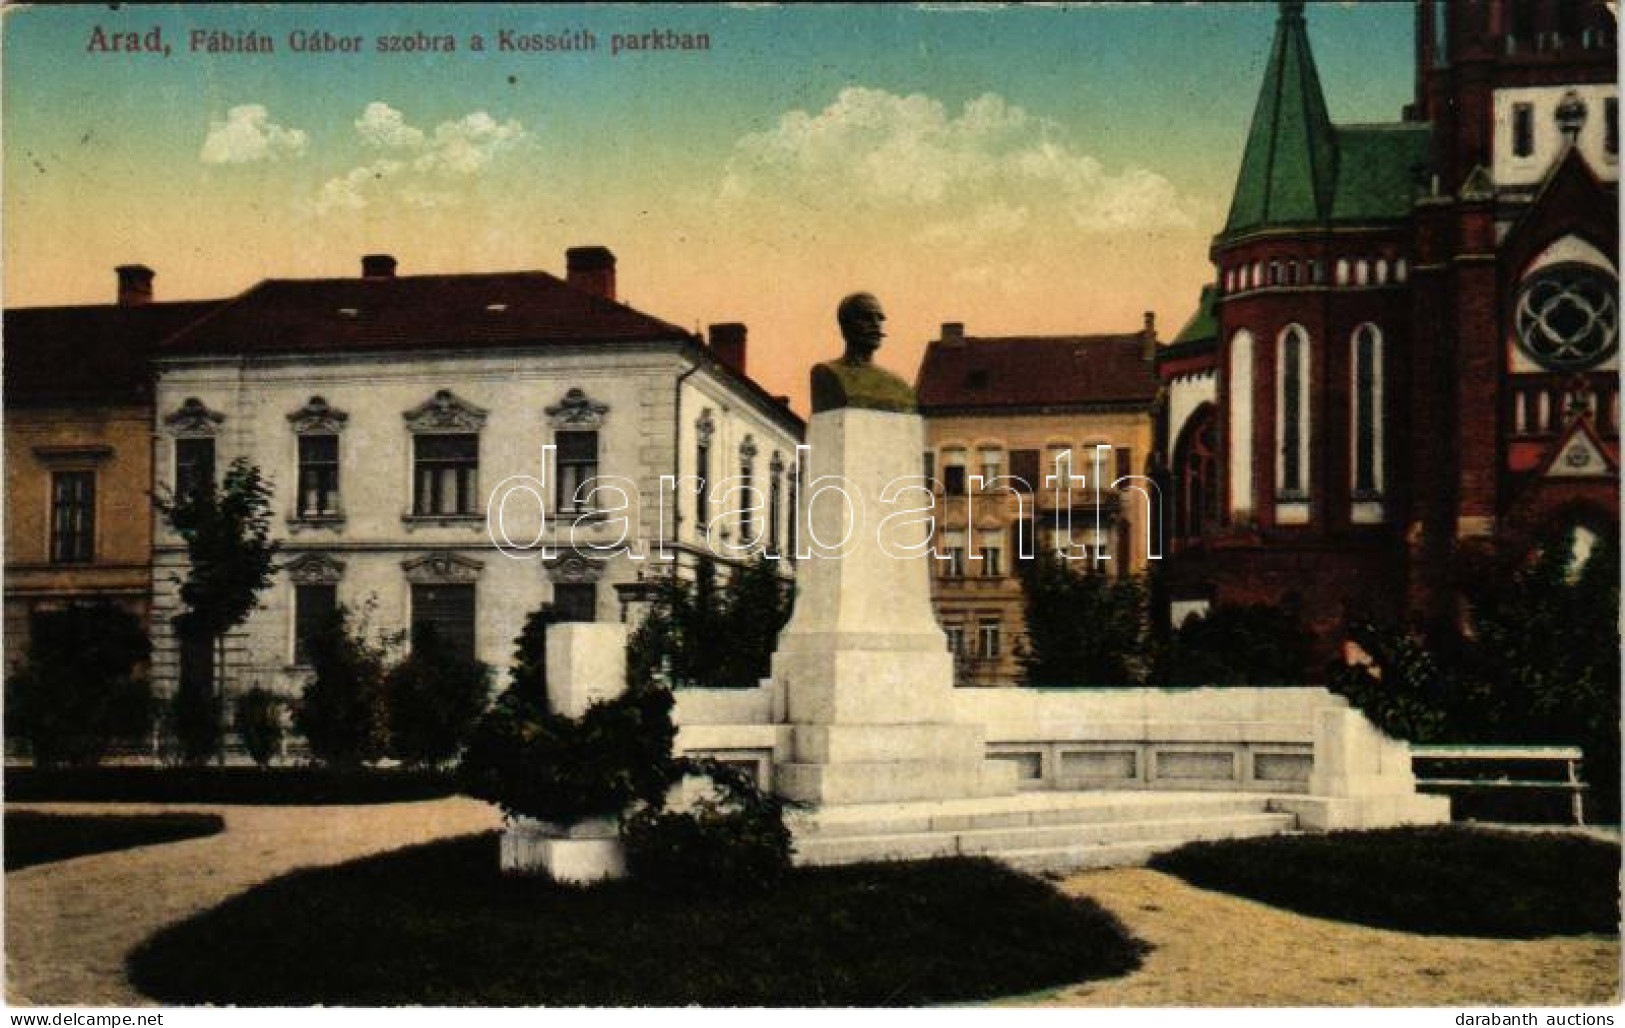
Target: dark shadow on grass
<point x="43" y="838"/>
<point x="1432" y="881"/>
<point x="439" y="925"/>
<point x="278" y="786"/>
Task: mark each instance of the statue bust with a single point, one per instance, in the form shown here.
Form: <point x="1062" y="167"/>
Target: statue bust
<point x="853" y="380"/>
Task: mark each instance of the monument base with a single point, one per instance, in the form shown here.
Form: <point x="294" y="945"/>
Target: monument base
<point x="579" y="854"/>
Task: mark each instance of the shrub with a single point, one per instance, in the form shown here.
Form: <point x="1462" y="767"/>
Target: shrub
<point x="1082" y="628"/>
<point x="434" y="697"/>
<point x="528" y="672"/>
<point x="532" y="762"/>
<point x="341" y="710"/>
<point x="734" y="840"/>
<point x="699" y="635"/>
<point x="1237" y="644"/>
<point x="77" y="688"/>
<point x="258" y="718"/>
<point x="193" y="712"/>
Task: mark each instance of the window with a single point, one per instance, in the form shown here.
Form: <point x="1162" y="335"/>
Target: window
<point x="1292" y="419"/>
<point x="928" y="464"/>
<point x="987" y="631"/>
<point x="1523" y="130"/>
<point x="747" y="501"/>
<point x="318" y="476"/>
<point x="1441" y="34"/>
<point x="1342" y="271"/>
<point x="1275" y="272"/>
<point x="1362" y="272"/>
<point x="775" y="509"/>
<point x="1125" y="461"/>
<point x="992" y="555"/>
<point x="446" y="473"/>
<point x="577" y="458"/>
<point x="702" y="490"/>
<point x="73" y="517"/>
<point x="1196" y="483"/>
<point x="194" y="465"/>
<point x="575" y="601"/>
<point x="956" y="639"/>
<point x="1240" y="421"/>
<point x="448" y="612"/>
<point x="1610" y="123"/>
<point x="1380" y="269"/>
<point x="1058" y="462"/>
<point x="313" y="605"/>
<point x="1567" y="316"/>
<point x="991" y="460"/>
<point x="1024" y="469"/>
<point x="1317" y="272"/>
<point x="1367" y="410"/>
<point x="954" y="552"/>
<point x="953" y="472"/>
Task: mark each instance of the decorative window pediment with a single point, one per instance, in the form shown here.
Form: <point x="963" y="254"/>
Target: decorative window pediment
<point x="573" y="567"/>
<point x="442" y="569"/>
<point x="445" y="411"/>
<point x="193" y="418"/>
<point x="315" y="569"/>
<point x="577" y="411"/>
<point x="317" y="417"/>
<point x="705" y="427"/>
<point x="776" y="465"/>
<point x="747" y="449"/>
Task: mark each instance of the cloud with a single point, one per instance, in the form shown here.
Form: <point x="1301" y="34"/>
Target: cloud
<point x="248" y="135"/>
<point x="876" y="149"/>
<point x="424" y="166"/>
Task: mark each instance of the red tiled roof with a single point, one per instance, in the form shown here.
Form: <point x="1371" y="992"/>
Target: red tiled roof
<point x="88" y="354"/>
<point x="1036" y="371"/>
<point x="521" y="308"/>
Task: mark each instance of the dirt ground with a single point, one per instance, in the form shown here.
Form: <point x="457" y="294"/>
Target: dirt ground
<point x="69" y="925"/>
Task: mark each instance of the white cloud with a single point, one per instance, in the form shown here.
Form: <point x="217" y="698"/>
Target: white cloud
<point x="426" y="165"/>
<point x="877" y="149"/>
<point x="247" y="135"/>
<point x="383" y="126"/>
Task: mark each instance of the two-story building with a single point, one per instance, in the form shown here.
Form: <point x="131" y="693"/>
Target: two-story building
<point x="1008" y="420"/>
<point x="457" y="450"/>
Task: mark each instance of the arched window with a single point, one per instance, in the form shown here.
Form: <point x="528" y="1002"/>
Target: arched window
<point x="1239" y="437"/>
<point x="1381" y="270"/>
<point x="1401" y="270"/>
<point x="1362" y="272"/>
<point x="1258" y="274"/>
<point x="1196" y="475"/>
<point x="1292" y="414"/>
<point x="1342" y="271"/>
<point x="1366" y="417"/>
<point x="1275" y="273"/>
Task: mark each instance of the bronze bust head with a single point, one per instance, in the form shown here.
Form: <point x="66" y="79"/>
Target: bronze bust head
<point x="853" y="380"/>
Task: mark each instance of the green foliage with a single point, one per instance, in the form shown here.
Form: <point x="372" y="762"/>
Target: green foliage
<point x="734" y="840"/>
<point x="1082" y="628"/>
<point x="341" y="711"/>
<point x="1402" y="690"/>
<point x="533" y="762"/>
<point x="258" y="717"/>
<point x="699" y="635"/>
<point x="1435" y="881"/>
<point x="434" y="697"/>
<point x="77" y="689"/>
<point x="1236" y="644"/>
<point x="528" y="672"/>
<point x="193" y="712"/>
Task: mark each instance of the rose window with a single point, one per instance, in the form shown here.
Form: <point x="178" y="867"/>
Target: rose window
<point x="1568" y="316"/>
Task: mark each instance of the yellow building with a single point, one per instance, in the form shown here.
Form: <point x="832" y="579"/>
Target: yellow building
<point x="78" y="451"/>
<point x="1008" y="421"/>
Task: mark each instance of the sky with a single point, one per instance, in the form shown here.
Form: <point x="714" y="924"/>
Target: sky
<point x="1036" y="169"/>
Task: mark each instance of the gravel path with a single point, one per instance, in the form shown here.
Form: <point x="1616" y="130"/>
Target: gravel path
<point x="69" y="925"/>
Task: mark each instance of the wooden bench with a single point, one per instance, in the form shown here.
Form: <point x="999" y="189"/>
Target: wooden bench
<point x="1569" y="756"/>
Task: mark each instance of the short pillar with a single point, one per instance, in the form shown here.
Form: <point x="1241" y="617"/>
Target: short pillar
<point x="586" y="662"/>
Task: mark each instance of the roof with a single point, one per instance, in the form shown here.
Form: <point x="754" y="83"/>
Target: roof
<point x="1379" y="168"/>
<point x="1289" y="167"/>
<point x="95" y="353"/>
<point x="1204" y="324"/>
<point x="1035" y="371"/>
<point x="415" y="312"/>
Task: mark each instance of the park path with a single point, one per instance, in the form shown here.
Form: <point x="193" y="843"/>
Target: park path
<point x="70" y="925"/>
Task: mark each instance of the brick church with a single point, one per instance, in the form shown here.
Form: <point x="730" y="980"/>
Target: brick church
<point x="1409" y="349"/>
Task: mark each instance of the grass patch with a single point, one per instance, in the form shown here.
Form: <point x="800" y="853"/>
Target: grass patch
<point x="43" y="838"/>
<point x="439" y="925"/>
<point x="1433" y="881"/>
<point x="282" y="786"/>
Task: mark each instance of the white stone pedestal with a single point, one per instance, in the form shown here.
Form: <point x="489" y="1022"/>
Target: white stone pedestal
<point x="865" y="668"/>
<point x="586" y="662"/>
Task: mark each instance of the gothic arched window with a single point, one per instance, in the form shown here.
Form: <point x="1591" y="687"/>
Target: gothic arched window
<point x="1196" y="475"/>
<point x="1292" y="414"/>
<point x="1366" y="417"/>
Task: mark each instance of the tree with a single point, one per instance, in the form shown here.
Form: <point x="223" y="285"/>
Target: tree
<point x="258" y="719"/>
<point x="227" y="531"/>
<point x="434" y="697"/>
<point x="1082" y="628"/>
<point x="756" y="605"/>
<point x="78" y="688"/>
<point x="697" y="635"/>
<point x="1237" y="644"/>
<point x="341" y="711"/>
<point x="528" y="672"/>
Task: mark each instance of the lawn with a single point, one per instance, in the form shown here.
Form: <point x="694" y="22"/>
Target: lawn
<point x="439" y="925"/>
<point x="279" y="786"/>
<point x="1432" y="881"/>
<point x="42" y="838"/>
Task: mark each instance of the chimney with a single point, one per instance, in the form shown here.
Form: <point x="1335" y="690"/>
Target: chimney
<point x="728" y="344"/>
<point x="377" y="265"/>
<point x="1148" y="336"/>
<point x="134" y="285"/>
<point x="953" y="332"/>
<point x="591" y="269"/>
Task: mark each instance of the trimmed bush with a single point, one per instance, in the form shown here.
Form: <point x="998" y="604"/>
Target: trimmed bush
<point x="258" y="718"/>
<point x="77" y="690"/>
<point x="434" y="697"/>
<point x="733" y="841"/>
<point x="341" y="712"/>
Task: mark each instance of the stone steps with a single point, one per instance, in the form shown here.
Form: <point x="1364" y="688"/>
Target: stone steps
<point x="1034" y="831"/>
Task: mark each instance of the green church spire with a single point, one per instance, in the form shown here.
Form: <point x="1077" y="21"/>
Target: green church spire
<point x="1289" y="169"/>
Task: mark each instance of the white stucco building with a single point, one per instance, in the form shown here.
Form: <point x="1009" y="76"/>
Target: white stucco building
<point x="390" y="412"/>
